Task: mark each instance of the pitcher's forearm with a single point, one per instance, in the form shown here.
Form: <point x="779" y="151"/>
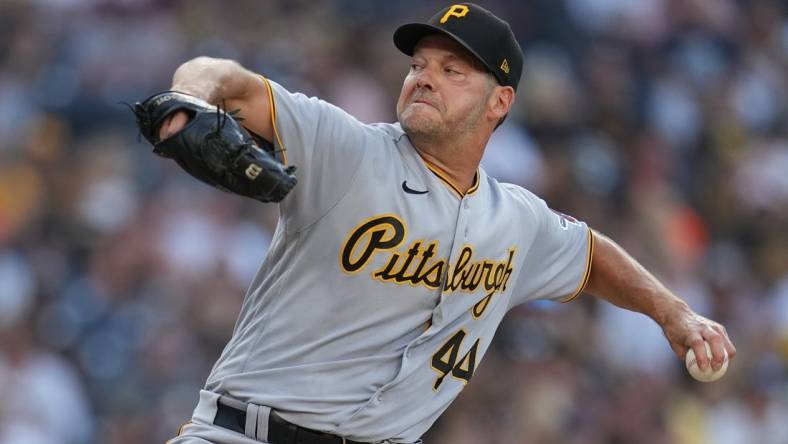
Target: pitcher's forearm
<point x="212" y="80"/>
<point x="226" y="83"/>
<point x="621" y="280"/>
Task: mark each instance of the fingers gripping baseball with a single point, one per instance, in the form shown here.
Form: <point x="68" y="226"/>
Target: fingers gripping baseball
<point x="692" y="331"/>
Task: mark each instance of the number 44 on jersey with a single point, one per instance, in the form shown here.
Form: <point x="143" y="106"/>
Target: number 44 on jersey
<point x="445" y="361"/>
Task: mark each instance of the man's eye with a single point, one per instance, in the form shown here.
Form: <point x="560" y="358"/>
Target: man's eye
<point x="451" y="70"/>
<point x="414" y="66"/>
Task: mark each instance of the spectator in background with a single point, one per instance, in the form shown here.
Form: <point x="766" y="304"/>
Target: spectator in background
<point x="43" y="399"/>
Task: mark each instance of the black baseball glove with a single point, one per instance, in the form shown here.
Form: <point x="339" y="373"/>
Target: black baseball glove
<point x="214" y="148"/>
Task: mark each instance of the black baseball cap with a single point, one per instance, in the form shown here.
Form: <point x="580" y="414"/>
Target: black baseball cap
<point x="486" y="36"/>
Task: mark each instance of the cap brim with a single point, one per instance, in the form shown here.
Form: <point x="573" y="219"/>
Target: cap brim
<point x="407" y="36"/>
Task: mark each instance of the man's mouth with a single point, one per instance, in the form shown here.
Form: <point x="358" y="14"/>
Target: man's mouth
<point x="425" y="102"/>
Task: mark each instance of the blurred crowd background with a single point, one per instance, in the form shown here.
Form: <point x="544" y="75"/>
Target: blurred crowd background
<point x="662" y="123"/>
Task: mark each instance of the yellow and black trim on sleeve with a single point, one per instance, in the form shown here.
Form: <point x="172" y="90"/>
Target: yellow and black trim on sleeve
<point x="587" y="273"/>
<point x="180" y="431"/>
<point x="272" y="106"/>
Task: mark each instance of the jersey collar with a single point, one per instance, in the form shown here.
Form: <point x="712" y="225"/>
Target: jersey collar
<point x="444" y="178"/>
<point x="401" y="135"/>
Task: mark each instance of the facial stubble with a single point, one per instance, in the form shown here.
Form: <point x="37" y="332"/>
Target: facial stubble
<point x="422" y="127"/>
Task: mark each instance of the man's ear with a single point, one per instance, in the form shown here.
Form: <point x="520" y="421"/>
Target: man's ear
<point x="501" y="101"/>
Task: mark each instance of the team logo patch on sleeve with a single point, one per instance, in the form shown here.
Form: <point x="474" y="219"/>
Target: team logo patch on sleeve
<point x="564" y="219"/>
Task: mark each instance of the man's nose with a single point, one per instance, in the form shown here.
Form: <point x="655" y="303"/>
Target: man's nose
<point x="424" y="79"/>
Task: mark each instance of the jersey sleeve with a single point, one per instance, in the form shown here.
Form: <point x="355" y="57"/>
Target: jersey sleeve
<point x="557" y="264"/>
<point x="325" y="143"/>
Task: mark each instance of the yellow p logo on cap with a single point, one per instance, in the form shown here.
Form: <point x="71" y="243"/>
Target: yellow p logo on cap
<point x="458" y="11"/>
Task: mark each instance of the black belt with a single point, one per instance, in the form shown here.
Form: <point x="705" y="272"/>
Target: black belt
<point x="279" y="430"/>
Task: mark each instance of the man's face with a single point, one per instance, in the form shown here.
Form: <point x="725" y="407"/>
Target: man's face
<point x="445" y="92"/>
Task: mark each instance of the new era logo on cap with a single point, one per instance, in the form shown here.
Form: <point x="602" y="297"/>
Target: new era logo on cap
<point x="505" y="66"/>
<point x="486" y="36"/>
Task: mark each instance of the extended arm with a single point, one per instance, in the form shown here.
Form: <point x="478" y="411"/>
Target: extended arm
<point x="227" y="83"/>
<point x="621" y="280"/>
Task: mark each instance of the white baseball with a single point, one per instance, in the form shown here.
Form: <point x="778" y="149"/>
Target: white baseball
<point x="709" y="374"/>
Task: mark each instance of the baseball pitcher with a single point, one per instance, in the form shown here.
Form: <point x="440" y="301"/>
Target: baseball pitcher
<point x="396" y="256"/>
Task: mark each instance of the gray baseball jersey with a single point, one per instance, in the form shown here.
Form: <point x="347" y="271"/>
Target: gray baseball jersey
<point x="384" y="284"/>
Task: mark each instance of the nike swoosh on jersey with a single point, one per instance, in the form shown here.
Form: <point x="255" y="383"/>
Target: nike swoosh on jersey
<point x="410" y="190"/>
